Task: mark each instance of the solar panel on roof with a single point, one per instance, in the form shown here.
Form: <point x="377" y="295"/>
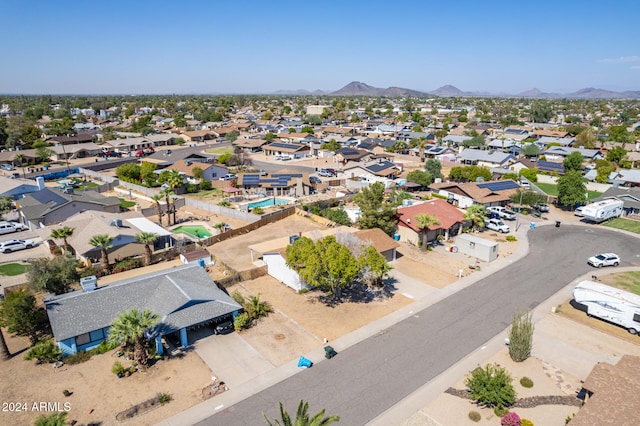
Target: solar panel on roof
<point x="500" y="185"/>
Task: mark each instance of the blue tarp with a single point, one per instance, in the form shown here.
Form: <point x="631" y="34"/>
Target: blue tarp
<point x="304" y="362"/>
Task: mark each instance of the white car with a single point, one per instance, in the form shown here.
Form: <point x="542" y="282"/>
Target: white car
<point x="497" y="225"/>
<point x="15" y="245"/>
<point x="604" y="259"/>
<point x="578" y="211"/>
<point x="502" y="212"/>
<point x="229" y="176"/>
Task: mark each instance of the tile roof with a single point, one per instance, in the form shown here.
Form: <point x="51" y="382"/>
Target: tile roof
<point x="447" y="214"/>
<point x="476" y="192"/>
<point x="181" y="297"/>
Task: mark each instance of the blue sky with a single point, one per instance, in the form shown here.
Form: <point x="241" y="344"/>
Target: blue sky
<point x="142" y="47"/>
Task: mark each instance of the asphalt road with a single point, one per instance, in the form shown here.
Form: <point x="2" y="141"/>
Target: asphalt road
<point x="373" y="375"/>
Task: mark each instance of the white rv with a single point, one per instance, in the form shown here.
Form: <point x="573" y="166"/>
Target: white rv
<point x="603" y="210"/>
<point x="610" y="304"/>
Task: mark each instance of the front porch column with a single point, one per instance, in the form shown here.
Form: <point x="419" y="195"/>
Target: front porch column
<point x="159" y="347"/>
<point x="183" y="337"/>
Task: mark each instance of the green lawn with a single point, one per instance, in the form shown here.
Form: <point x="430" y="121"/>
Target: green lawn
<point x="552" y="189"/>
<point x="629" y="281"/>
<point x="624" y="224"/>
<point x="219" y="151"/>
<point x="87" y="186"/>
<point x="126" y="204"/>
<point x="11" y="269"/>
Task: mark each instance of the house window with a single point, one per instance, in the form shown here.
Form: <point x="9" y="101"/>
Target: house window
<point x="636" y="317"/>
<point x="83" y="339"/>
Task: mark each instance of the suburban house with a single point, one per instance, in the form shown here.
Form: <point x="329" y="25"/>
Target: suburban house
<point x="73" y="139"/>
<point x="129" y="145"/>
<point x="274" y="252"/>
<point x="73" y="151"/>
<point x="628" y="177"/>
<point x="288" y="182"/>
<point x="550" y="166"/>
<point x="183" y="298"/>
<point x="608" y="394"/>
<point x="559" y="153"/>
<point x="376" y="170"/>
<point x="351" y="154"/>
<point x="293" y="149"/>
<point x="521" y="164"/>
<point x="479" y="157"/>
<point x="455" y="140"/>
<point x="18" y="187"/>
<point x="494" y="193"/>
<point x="451" y="221"/>
<point x="198" y="135"/>
<point x="210" y="171"/>
<point x="123" y="227"/>
<point x="50" y="206"/>
<point x="252" y="145"/>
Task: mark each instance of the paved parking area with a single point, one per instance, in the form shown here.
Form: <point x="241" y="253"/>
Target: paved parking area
<point x="233" y="360"/>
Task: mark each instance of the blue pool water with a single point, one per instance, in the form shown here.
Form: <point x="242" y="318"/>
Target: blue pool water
<point x="269" y="202"/>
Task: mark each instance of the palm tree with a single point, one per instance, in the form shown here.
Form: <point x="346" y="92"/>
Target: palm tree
<point x="147" y="238"/>
<point x="302" y="417"/>
<point x="62" y="234"/>
<point x="130" y="328"/>
<point x="257" y="308"/>
<point x="220" y="226"/>
<point x="103" y="242"/>
<point x="425" y="221"/>
<point x="422" y="144"/>
<point x="167" y="194"/>
<point x="477" y="215"/>
<point x="156" y="198"/>
<point x="21" y="158"/>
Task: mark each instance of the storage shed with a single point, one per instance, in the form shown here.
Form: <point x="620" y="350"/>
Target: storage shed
<point x="198" y="257"/>
<point x="477" y="247"/>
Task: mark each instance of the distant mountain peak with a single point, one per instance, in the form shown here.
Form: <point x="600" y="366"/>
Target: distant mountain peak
<point x="358" y="88"/>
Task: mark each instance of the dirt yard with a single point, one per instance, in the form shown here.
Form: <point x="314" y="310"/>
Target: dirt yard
<point x="97" y="394"/>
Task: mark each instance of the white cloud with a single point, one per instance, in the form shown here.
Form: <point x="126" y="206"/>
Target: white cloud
<point x="635" y="58"/>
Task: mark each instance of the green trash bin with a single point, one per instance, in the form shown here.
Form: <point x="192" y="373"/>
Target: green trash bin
<point x="329" y="352"/>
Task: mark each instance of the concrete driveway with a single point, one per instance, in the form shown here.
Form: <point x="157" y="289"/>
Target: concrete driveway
<point x="232" y="359"/>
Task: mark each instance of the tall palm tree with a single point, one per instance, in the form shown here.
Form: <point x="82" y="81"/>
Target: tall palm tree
<point x="147" y="238"/>
<point x="167" y="198"/>
<point x="62" y="234"/>
<point x="477" y="215"/>
<point x="156" y="198"/>
<point x="302" y="417"/>
<point x="425" y="221"/>
<point x="422" y="144"/>
<point x="103" y="242"/>
<point x="130" y="328"/>
<point x="22" y="159"/>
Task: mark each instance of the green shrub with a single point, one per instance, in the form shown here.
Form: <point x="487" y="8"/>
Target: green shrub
<point x="257" y="210"/>
<point x="526" y="382"/>
<point x="241" y="321"/>
<point x="436" y="195"/>
<point x="521" y="336"/>
<point x="474" y="416"/>
<point x="89" y="271"/>
<point x="526" y="422"/>
<point x="224" y="203"/>
<point x="104" y="347"/>
<point x="45" y="351"/>
<point x="238" y="298"/>
<point x="164" y="398"/>
<point x="500" y="411"/>
<point x="117" y="368"/>
<point x="511" y="238"/>
<point x="55" y="419"/>
<point x="78" y="358"/>
<point x="192" y="188"/>
<point x="491" y="386"/>
<point x="205" y="185"/>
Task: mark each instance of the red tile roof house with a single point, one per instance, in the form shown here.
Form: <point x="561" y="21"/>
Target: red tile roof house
<point x="451" y="221"/>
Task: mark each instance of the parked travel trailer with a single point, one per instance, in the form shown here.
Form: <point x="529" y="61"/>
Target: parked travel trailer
<point x="603" y="210"/>
<point x="610" y="304"/>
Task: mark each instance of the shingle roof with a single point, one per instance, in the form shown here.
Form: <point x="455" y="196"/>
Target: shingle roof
<point x="181" y="297"/>
<point x="446" y="214"/>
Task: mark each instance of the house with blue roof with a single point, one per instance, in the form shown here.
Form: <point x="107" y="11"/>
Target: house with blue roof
<point x="562" y="152"/>
<point x="183" y="297"/>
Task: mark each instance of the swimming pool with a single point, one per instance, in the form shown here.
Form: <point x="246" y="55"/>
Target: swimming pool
<point x="268" y="202"/>
<point x="196" y="231"/>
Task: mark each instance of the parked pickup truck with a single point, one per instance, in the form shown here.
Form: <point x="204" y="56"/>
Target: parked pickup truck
<point x="9" y="227"/>
<point x="504" y="213"/>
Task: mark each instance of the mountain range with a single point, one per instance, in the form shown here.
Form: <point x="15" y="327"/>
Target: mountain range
<point x="357" y="88"/>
